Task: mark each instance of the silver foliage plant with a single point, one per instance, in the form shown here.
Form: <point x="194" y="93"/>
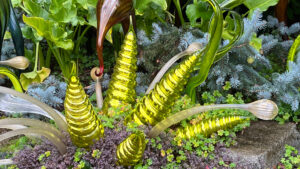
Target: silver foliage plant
<point x="51" y="91"/>
<point x="243" y="65"/>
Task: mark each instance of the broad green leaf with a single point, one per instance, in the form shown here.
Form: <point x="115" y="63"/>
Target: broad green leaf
<point x="34" y="77"/>
<point x="91" y="17"/>
<point x="256" y="42"/>
<point x="57" y="5"/>
<point x="198" y="10"/>
<point x="262" y="5"/>
<point x="50" y="31"/>
<point x="230" y="4"/>
<point x="63" y="11"/>
<point x="16" y="2"/>
<point x="81" y="20"/>
<point x="141" y="5"/>
<point x="87" y="3"/>
<point x="13" y="78"/>
<point x="30" y="33"/>
<point x="35" y="9"/>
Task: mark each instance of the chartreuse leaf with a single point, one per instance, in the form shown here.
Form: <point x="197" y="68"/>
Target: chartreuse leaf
<point x="262" y="5"/>
<point x="51" y="31"/>
<point x="91" y="17"/>
<point x="30" y="33"/>
<point x="256" y="42"/>
<point x="230" y="4"/>
<point x="63" y="11"/>
<point x="16" y="2"/>
<point x="293" y="51"/>
<point x="34" y="77"/>
<point x="207" y="58"/>
<point x="198" y="10"/>
<point x="140" y="6"/>
<point x="35" y="9"/>
<point x="87" y="3"/>
<point x="13" y="78"/>
<point x="7" y="35"/>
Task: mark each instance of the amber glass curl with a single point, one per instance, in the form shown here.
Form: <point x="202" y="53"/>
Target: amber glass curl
<point x="83" y="123"/>
<point x="207" y="127"/>
<point x="123" y="81"/>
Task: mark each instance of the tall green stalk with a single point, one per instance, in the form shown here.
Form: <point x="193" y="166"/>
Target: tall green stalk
<point x="207" y="59"/>
<point x="178" y="7"/>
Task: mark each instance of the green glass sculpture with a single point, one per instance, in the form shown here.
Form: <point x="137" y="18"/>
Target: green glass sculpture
<point x="157" y="105"/>
<point x="207" y="127"/>
<point x="83" y="123"/>
<point x="123" y="81"/>
<point x="131" y="150"/>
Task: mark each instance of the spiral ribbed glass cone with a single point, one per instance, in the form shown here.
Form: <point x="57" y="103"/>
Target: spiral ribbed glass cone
<point x="131" y="150"/>
<point x="157" y="105"/>
<point x="123" y="81"/>
<point x="83" y="123"/>
<point x="207" y="127"/>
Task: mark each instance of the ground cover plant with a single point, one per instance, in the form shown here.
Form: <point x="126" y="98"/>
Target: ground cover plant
<point x="188" y="115"/>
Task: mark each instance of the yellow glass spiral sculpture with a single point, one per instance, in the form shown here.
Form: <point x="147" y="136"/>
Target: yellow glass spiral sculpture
<point x="83" y="123"/>
<point x="157" y="105"/>
<point x="207" y="127"/>
<point x="123" y="81"/>
<point x="131" y="150"/>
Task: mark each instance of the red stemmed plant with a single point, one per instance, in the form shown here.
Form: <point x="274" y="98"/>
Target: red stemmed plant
<point x="109" y="13"/>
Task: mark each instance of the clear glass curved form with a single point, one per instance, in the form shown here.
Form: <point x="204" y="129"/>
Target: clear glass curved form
<point x="83" y="123"/>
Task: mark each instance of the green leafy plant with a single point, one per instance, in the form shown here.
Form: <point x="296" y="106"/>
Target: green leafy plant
<point x="198" y="12"/>
<point x="42" y="156"/>
<point x="286" y="114"/>
<point x="291" y="158"/>
<point x="63" y="24"/>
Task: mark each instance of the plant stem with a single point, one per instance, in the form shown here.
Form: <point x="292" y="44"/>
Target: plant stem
<point x="80" y="39"/>
<point x="178" y="7"/>
<point x="41" y="58"/>
<point x="24" y="9"/>
<point x="186" y="4"/>
<point x="48" y="58"/>
<point x="59" y="59"/>
<point x="36" y="56"/>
